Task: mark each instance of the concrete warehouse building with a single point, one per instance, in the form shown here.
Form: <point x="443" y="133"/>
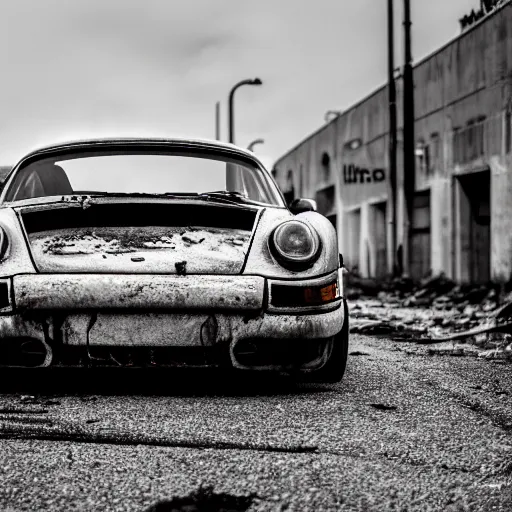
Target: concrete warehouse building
<point x="462" y="221"/>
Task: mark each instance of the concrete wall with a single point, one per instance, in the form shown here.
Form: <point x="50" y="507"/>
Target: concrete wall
<point x="462" y="95"/>
<point x="359" y="176"/>
<point x="469" y="79"/>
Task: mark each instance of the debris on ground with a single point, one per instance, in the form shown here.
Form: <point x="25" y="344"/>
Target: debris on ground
<point x="51" y="402"/>
<point x="434" y="311"/>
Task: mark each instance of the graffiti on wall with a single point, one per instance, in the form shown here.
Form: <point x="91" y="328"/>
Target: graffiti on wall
<point x="354" y="174"/>
<point x="487" y="6"/>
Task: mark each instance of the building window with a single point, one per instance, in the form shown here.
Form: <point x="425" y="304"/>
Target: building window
<point x="326" y="166"/>
<point x="423" y="162"/>
<point x="436" y="157"/>
<point x="456" y="144"/>
<point x="469" y="142"/>
<point x="479" y="136"/>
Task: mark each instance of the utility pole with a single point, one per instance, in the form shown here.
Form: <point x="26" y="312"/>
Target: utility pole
<point x="409" y="167"/>
<point x="392" y="134"/>
<point x="217" y="120"/>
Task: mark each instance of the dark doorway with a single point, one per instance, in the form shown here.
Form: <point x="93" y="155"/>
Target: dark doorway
<point x="352" y="222"/>
<point x="420" y="236"/>
<point x="474" y="227"/>
<point x="379" y="236"/>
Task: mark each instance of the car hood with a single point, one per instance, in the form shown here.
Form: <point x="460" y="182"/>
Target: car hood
<point x="139" y="236"/>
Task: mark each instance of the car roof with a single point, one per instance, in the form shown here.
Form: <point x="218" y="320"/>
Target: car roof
<point x="192" y="143"/>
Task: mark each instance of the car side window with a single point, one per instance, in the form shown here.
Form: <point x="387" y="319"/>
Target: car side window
<point x="40" y="181"/>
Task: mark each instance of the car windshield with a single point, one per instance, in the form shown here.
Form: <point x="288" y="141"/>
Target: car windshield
<point x="143" y="172"/>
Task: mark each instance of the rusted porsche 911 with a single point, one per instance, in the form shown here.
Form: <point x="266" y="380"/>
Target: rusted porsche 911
<point x="151" y="252"/>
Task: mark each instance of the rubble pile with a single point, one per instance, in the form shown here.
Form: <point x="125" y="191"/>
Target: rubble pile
<point x="433" y="311"/>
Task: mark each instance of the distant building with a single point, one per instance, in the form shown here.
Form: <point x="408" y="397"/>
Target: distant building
<point x="462" y="222"/>
<point x="4" y="171"/>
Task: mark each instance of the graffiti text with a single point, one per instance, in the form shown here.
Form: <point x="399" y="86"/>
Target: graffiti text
<point x="471" y="18"/>
<point x="354" y="174"/>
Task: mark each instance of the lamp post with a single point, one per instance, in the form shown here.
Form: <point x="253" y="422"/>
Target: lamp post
<point x="217" y="120"/>
<point x="250" y="81"/>
<point x="254" y="142"/>
<point x="409" y="139"/>
<point x="392" y="136"/>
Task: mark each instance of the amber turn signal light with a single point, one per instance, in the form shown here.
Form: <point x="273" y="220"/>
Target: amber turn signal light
<point x="298" y="296"/>
<point x="318" y="295"/>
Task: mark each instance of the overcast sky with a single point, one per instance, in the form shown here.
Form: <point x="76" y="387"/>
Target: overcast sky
<point x="78" y="68"/>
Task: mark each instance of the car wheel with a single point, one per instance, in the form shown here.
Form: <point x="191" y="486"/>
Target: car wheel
<point x="334" y="369"/>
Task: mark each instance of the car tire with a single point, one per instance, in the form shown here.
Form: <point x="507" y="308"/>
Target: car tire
<point x="334" y="369"/>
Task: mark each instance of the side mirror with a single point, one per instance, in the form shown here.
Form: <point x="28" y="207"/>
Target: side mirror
<point x="301" y="205"/>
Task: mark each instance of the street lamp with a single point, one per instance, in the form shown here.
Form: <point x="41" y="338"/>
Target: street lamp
<point x="254" y="142"/>
<point x="250" y="81"/>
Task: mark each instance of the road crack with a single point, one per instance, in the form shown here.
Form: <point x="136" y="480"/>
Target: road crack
<point x="121" y="438"/>
<point x="498" y="419"/>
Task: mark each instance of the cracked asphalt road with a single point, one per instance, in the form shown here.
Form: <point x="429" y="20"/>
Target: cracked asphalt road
<point x="403" y="431"/>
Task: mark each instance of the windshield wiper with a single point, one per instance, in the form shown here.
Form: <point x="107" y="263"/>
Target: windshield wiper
<point x="225" y="195"/>
<point x="134" y="194"/>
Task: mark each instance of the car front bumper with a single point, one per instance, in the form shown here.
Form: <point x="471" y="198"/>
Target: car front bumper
<point x="157" y="311"/>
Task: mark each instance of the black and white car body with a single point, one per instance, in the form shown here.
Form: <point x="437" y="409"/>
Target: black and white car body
<point x="165" y="252"/>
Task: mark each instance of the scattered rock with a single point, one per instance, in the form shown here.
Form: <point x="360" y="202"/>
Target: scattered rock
<point x="88" y="398"/>
<point x="432" y="311"/>
<point x="353" y="293"/>
<point x="373" y="328"/>
<point x="28" y="399"/>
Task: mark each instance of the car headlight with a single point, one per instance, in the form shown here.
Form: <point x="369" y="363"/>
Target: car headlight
<point x="295" y="244"/>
